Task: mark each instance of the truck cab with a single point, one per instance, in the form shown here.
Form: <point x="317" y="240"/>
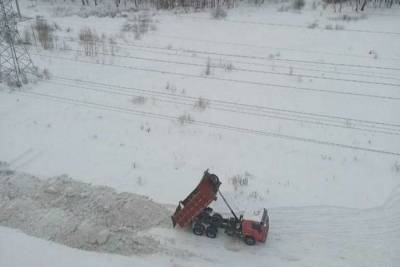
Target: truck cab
<point x="253" y="231"/>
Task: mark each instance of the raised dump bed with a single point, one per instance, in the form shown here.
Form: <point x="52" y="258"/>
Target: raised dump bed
<point x="199" y="199"/>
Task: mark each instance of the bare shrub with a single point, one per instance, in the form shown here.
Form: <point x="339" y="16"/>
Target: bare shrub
<point x="201" y="104"/>
<point x="348" y="18"/>
<point x="140" y="181"/>
<point x="88" y="40"/>
<point x="314" y="5"/>
<point x="339" y="27"/>
<point x="208" y="67"/>
<point x="283" y="8"/>
<point x="27" y="36"/>
<point x="139" y="100"/>
<point x="219" y="13"/>
<point x="146" y="128"/>
<point x="43" y="74"/>
<point x="112" y="44"/>
<point x="170" y="87"/>
<point x="240" y="180"/>
<point x="139" y="24"/>
<point x="185" y="119"/>
<point x="334" y="27"/>
<point x="313" y="25"/>
<point x="298" y="4"/>
<point x="44" y="33"/>
<point x="396" y="167"/>
<point x="329" y="27"/>
<point x="46" y="74"/>
<point x="255" y="195"/>
<point x="228" y="67"/>
<point x="373" y="53"/>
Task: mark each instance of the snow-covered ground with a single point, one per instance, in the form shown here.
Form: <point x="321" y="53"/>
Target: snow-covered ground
<point x="306" y="114"/>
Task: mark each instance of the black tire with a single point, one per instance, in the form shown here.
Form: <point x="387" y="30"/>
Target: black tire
<point x="198" y="229"/>
<point x="211" y="232"/>
<point x="217" y="219"/>
<point x="249" y="240"/>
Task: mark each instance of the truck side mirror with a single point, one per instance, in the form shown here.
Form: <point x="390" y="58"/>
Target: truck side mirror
<point x="264" y="217"/>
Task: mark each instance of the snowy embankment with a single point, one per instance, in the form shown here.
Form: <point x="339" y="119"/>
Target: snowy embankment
<point x="79" y="215"/>
<point x="96" y="218"/>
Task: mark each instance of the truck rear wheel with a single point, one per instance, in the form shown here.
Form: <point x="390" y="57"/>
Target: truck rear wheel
<point x="211" y="232"/>
<point x="198" y="229"/>
<point x="249" y="240"/>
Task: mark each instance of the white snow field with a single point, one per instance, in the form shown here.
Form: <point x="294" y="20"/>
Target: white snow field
<point x="297" y="112"/>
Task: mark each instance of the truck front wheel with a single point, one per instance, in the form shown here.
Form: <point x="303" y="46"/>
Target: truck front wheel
<point x="249" y="240"/>
<point x="198" y="229"/>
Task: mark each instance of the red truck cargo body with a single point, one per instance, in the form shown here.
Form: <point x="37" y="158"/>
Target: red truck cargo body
<point x="197" y="200"/>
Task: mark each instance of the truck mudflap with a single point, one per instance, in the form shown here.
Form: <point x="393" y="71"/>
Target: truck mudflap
<point x="177" y="210"/>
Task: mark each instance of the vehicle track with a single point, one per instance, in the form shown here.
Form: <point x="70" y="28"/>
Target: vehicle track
<point x="263" y="84"/>
<point x="97" y="106"/>
<point x="261" y="111"/>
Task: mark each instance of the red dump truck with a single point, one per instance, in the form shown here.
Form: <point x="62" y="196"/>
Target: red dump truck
<point x="194" y="211"/>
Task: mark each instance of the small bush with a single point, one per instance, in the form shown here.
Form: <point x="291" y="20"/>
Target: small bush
<point x="219" y="13"/>
<point x="139" y="25"/>
<point x="314" y="5"/>
<point x="208" y="67"/>
<point x="329" y="27"/>
<point x="46" y="74"/>
<point x="185" y="119"/>
<point x="348" y="18"/>
<point x="339" y="27"/>
<point x="139" y="100"/>
<point x="201" y="104"/>
<point x="373" y="53"/>
<point x="44" y="33"/>
<point x="283" y="8"/>
<point x="228" y="67"/>
<point x="170" y="87"/>
<point x="313" y="25"/>
<point x="113" y="45"/>
<point x="240" y="180"/>
<point x="298" y="4"/>
<point x="88" y="40"/>
<point x="396" y="167"/>
<point x="255" y="195"/>
<point x="140" y="181"/>
<point x="27" y="36"/>
<point x="334" y="27"/>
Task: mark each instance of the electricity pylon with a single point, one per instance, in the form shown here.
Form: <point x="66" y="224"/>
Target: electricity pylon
<point x="15" y="62"/>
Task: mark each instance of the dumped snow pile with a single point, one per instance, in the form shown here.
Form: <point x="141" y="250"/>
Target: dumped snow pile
<point x="79" y="215"/>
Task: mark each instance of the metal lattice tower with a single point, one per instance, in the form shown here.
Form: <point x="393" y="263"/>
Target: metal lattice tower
<point x="15" y="62"/>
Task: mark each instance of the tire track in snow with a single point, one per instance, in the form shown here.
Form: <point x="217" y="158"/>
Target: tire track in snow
<point x="237" y="129"/>
<point x="347" y="124"/>
<point x="263" y="84"/>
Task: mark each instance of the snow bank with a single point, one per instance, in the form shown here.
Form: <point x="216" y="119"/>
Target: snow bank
<point x="79" y="215"/>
